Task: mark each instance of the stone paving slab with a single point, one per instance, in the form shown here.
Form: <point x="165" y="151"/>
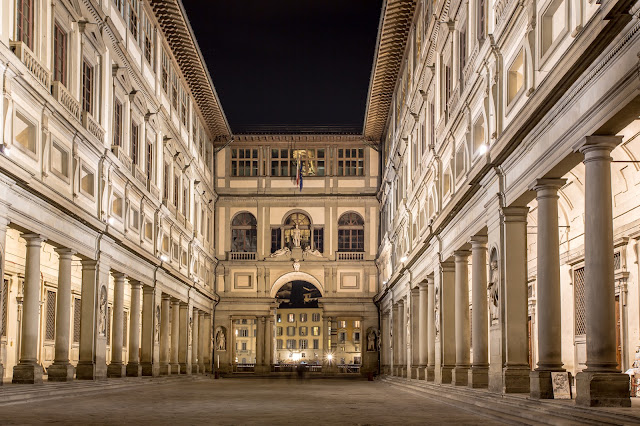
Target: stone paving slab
<point x="245" y="402"/>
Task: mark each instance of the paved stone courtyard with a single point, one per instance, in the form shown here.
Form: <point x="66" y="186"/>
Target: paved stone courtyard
<point x="246" y="402"/>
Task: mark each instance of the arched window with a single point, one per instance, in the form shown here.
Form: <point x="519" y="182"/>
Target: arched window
<point x="304" y="225"/>
<point x="351" y="232"/>
<point x="244" y="236"/>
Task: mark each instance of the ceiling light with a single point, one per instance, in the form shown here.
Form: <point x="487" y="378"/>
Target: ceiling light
<point x="483" y="149"/>
<point x="163" y="258"/>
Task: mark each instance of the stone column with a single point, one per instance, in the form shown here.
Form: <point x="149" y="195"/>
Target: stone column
<point x="61" y="370"/>
<point x="201" y="344"/>
<point x="28" y="370"/>
<point x="396" y="340"/>
<point x="422" y="338"/>
<point x="548" y="289"/>
<point x="207" y="343"/>
<point x="515" y="371"/>
<point x="134" y="369"/>
<point x="385" y="343"/>
<point x="479" y="373"/>
<point x="175" y="336"/>
<point x="447" y="322"/>
<point x="194" y="343"/>
<point x="117" y="367"/>
<point x="402" y="339"/>
<point x="460" y="376"/>
<point x="150" y="320"/>
<point x="601" y="383"/>
<point x="183" y="359"/>
<point x="165" y="339"/>
<point x="3" y="238"/>
<point x="414" y="343"/>
<point x="268" y="343"/>
<point x="431" y="331"/>
<point x="260" y="331"/>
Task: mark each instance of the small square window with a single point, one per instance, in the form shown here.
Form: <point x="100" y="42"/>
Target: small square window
<point x="87" y="181"/>
<point x="24" y="131"/>
<point x="59" y="160"/>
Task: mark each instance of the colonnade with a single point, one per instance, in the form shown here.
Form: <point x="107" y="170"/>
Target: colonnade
<point x="499" y="307"/>
<point x="152" y="348"/>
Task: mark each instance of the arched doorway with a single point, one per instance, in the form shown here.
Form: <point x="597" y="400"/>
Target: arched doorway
<point x="299" y="327"/>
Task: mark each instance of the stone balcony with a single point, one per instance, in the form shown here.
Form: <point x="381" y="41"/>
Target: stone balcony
<point x="28" y="58"/>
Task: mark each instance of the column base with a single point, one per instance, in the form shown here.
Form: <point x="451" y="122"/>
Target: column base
<point x="27" y="373"/>
<point x="478" y="377"/>
<point x="262" y="369"/>
<point x="515" y="379"/>
<point x="134" y="369"/>
<point x="445" y="376"/>
<point x="150" y="369"/>
<point x="184" y="369"/>
<point x="195" y="368"/>
<point x="540" y="384"/>
<point x="460" y="376"/>
<point x="86" y="370"/>
<point x="175" y="368"/>
<point x="414" y="372"/>
<point x="60" y="372"/>
<point x="594" y="389"/>
<point x="116" y="370"/>
<point x="403" y="371"/>
<point x="422" y="373"/>
<point x="207" y="367"/>
<point x="386" y="369"/>
<point x="1" y="374"/>
<point x="202" y="369"/>
<point x="165" y="369"/>
<point x="430" y="373"/>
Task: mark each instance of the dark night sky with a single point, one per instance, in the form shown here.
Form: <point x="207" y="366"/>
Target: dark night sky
<point x="288" y="62"/>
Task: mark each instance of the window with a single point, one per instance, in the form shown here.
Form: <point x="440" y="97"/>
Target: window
<point x="244" y="347"/>
<point x="165" y="181"/>
<point x="117" y="206"/>
<point x="176" y="188"/>
<point x="291" y="318"/>
<point x="280" y="163"/>
<point x="482" y="20"/>
<point x="478" y="135"/>
<point x="315" y="331"/>
<point x="76" y="320"/>
<point x="174" y="90"/>
<point x="185" y="199"/>
<point x="276" y="238"/>
<point x="117" y="123"/>
<point x="133" y="17"/>
<point x="279" y="331"/>
<point x="184" y="105"/>
<point x="279" y="344"/>
<point x="24" y="22"/>
<point x="59" y="160"/>
<point x="147" y="38"/>
<point x="356" y="324"/>
<point x="460" y="166"/>
<point x="278" y="318"/>
<point x="125" y="320"/>
<point x="342" y="337"/>
<point x="447" y="88"/>
<point x="5" y="298"/>
<point x="579" y="300"/>
<point x="244" y="162"/>
<point x="135" y="140"/>
<point x="166" y="69"/>
<point x="244" y="234"/>
<point x="303" y="317"/>
<point x="304" y="344"/>
<point x="291" y="344"/>
<point x="303" y="331"/>
<point x="24" y="131"/>
<point x="315" y="317"/>
<point x="446" y="182"/>
<point x="342" y="324"/>
<point x="59" y="54"/>
<point x="316" y="344"/>
<point x="351" y="162"/>
<point x="318" y="239"/>
<point x="243" y="332"/>
<point x="462" y="50"/>
<point x="87" y="86"/>
<point x="135" y="219"/>
<point x="312" y="162"/>
<point x="50" y="324"/>
<point x="515" y="77"/>
<point x="87" y="181"/>
<point x="554" y="24"/>
<point x="350" y="232"/>
<point x="149" y="158"/>
<point x="356" y="337"/>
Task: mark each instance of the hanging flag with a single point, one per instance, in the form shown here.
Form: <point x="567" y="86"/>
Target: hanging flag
<point x="299" y="174"/>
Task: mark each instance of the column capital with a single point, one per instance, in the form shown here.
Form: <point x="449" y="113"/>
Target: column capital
<point x="175" y="301"/>
<point x="401" y="303"/>
<point x="89" y="264"/>
<point x="33" y="239"/>
<point x="166" y="296"/>
<point x="461" y="255"/>
<point x="134" y="283"/>
<point x="479" y="242"/>
<point x="415" y="291"/>
<point x="118" y="275"/>
<point x="447" y="266"/>
<point x="547" y="184"/>
<point x="597" y="142"/>
<point x="184" y="304"/>
<point x="514" y="213"/>
<point x="64" y="252"/>
<point x="430" y="280"/>
<point x="423" y="285"/>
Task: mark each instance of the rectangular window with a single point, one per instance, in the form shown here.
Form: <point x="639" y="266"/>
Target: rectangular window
<point x="356" y="324"/>
<point x="244" y="346"/>
<point x="174" y="90"/>
<point x="304" y="344"/>
<point x="59" y="54"/>
<point x="279" y="344"/>
<point x="481" y="20"/>
<point x="303" y="331"/>
<point x="165" y="182"/>
<point x="164" y="77"/>
<point x="24" y="22"/>
<point x="342" y="337"/>
<point x="315" y="331"/>
<point x="311" y="162"/>
<point x="351" y="162"/>
<point x="280" y="163"/>
<point x="316" y="344"/>
<point x="147" y="38"/>
<point x="185" y="199"/>
<point x="176" y="189"/>
<point x="303" y="317"/>
<point x="579" y="300"/>
<point x="149" y="158"/>
<point x="463" y="54"/>
<point x="350" y="239"/>
<point x="291" y="344"/>
<point x="318" y="239"/>
<point x="278" y="318"/>
<point x="184" y="106"/>
<point x="291" y="331"/>
<point x="50" y="326"/>
<point x="244" y="162"/>
<point x="279" y="331"/>
<point x="76" y="320"/>
<point x="135" y="148"/>
<point x="315" y="317"/>
<point x="342" y="324"/>
<point x="87" y="86"/>
<point x="276" y="238"/>
<point x="291" y="318"/>
<point x="117" y="123"/>
<point x="133" y="17"/>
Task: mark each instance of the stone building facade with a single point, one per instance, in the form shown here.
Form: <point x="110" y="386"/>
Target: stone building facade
<point x="509" y="236"/>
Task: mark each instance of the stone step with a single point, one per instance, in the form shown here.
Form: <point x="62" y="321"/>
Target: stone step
<point x="520" y="406"/>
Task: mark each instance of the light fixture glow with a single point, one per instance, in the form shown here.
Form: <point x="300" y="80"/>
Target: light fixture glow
<point x="483" y="149"/>
<point x="163" y="257"/>
<point x="330" y="357"/>
<point x="7" y="150"/>
<point x="296" y="356"/>
<point x="403" y="259"/>
<point x="111" y="221"/>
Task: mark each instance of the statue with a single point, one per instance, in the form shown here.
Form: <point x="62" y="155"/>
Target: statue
<point x="221" y="343"/>
<point x="436" y="305"/>
<point x="493" y="290"/>
<point x="295" y="236"/>
<point x="190" y="332"/>
<point x="156" y="334"/>
<point x="312" y="252"/>
<point x="280" y="252"/>
<point x="371" y="340"/>
<point x="102" y="320"/>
